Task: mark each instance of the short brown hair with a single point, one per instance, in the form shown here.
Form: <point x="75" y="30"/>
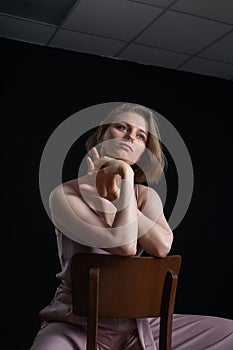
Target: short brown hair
<point x="151" y="165"/>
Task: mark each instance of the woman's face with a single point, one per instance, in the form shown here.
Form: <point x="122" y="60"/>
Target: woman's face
<point x="125" y="138"/>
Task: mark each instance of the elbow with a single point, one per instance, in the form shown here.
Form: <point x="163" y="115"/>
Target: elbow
<point x="128" y="250"/>
<point x="161" y="253"/>
<point x="125" y="250"/>
<point x="163" y="250"/>
<point x="130" y="253"/>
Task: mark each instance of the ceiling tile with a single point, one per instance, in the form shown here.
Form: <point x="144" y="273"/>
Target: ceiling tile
<point x="222" y="50"/>
<point x="51" y="11"/>
<point x="153" y="56"/>
<point x="114" y="19"/>
<point x="181" y="32"/>
<point x="25" y="30"/>
<point x="207" y="67"/>
<point x="162" y="3"/>
<point x="221" y="10"/>
<point x="86" y="43"/>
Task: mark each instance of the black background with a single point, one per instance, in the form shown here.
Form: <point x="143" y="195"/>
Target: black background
<point x="41" y="88"/>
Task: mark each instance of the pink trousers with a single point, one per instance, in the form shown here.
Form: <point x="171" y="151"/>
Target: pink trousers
<point x="190" y="332"/>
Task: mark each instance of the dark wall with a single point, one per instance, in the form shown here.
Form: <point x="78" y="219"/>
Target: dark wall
<point x="44" y="86"/>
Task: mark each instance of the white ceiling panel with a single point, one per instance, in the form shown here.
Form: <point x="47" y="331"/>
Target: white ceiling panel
<point x="25" y="30"/>
<point x="207" y="67"/>
<point x="153" y="56"/>
<point x="181" y="32"/>
<point x="86" y="43"/>
<point x="114" y="19"/>
<point x="222" y="50"/>
<point x="221" y="10"/>
<point x="162" y="3"/>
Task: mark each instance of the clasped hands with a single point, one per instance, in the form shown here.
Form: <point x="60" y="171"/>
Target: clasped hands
<point x="105" y="174"/>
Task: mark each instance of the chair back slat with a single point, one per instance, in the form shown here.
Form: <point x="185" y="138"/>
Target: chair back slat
<point x="129" y="287"/>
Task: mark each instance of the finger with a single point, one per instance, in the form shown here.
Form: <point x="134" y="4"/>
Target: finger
<point x="102" y="162"/>
<point x="95" y="153"/>
<point x="90" y="165"/>
<point x="98" y="163"/>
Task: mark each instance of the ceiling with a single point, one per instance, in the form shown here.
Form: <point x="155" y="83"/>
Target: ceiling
<point x="188" y="35"/>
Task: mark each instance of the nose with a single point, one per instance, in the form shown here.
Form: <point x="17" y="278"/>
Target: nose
<point x="131" y="134"/>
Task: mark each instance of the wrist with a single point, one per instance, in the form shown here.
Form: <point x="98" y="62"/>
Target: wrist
<point x="126" y="172"/>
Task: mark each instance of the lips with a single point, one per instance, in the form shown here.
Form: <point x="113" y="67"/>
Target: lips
<point x="126" y="146"/>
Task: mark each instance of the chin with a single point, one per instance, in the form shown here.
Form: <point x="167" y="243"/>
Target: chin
<point x="128" y="161"/>
<point x="120" y="156"/>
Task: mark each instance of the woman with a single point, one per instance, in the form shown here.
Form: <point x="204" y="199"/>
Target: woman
<point x="110" y="211"/>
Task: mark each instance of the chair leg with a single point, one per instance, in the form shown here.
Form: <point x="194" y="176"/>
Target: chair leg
<point x="167" y="311"/>
<point x="92" y="322"/>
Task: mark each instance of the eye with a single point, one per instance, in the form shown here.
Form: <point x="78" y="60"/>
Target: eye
<point x="141" y="137"/>
<point x="122" y="127"/>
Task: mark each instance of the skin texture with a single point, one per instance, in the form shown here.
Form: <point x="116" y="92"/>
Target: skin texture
<point x="103" y="202"/>
<point x="101" y="209"/>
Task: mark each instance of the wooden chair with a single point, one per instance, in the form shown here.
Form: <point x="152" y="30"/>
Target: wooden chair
<point x="125" y="287"/>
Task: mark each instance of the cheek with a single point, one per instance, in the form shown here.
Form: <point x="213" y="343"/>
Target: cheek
<point x="140" y="148"/>
<point x="109" y="135"/>
<point x="108" y="146"/>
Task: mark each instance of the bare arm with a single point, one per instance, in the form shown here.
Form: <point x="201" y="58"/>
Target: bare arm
<point x="155" y="235"/>
<point x="74" y="217"/>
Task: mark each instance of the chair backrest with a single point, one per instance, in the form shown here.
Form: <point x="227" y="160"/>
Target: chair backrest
<point x="126" y="287"/>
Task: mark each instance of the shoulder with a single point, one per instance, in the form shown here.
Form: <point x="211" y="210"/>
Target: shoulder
<point x="146" y="194"/>
<point x="150" y="203"/>
<point x="70" y="186"/>
<point x="145" y="190"/>
<point x="62" y="192"/>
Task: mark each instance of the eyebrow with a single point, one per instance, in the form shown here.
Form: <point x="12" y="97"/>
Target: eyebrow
<point x="145" y="132"/>
<point x="139" y="129"/>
